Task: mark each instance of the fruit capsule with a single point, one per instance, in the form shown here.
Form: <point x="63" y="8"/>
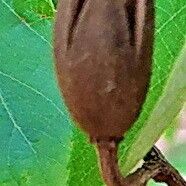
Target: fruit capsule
<point x="103" y="51"/>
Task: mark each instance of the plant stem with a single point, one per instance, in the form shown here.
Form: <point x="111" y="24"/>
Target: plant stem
<point x="155" y="167"/>
<point x="110" y="169"/>
<point x="109" y="163"/>
<point x="167" y="173"/>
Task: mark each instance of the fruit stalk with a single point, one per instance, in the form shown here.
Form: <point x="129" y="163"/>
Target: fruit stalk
<point x="109" y="163"/>
<point x="155" y="167"/>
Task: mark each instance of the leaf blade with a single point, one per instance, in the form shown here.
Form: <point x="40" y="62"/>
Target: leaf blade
<point x="34" y="123"/>
<point x="167" y="108"/>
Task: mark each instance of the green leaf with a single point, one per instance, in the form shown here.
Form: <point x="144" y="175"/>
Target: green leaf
<point x="38" y="14"/>
<point x="167" y="108"/>
<point x="34" y="127"/>
<point x="34" y="10"/>
<point x="83" y="165"/>
<point x="165" y="99"/>
<point x="172" y="128"/>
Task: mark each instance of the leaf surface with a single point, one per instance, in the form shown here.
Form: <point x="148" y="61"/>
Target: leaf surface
<point x="166" y="109"/>
<point x="34" y="126"/>
<point x="169" y="41"/>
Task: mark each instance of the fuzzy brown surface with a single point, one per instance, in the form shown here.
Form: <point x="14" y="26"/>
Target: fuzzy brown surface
<point x="103" y="61"/>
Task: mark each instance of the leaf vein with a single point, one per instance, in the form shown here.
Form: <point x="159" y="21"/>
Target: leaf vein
<point x="33" y="90"/>
<point x="26" y="24"/>
<point x="163" y="10"/>
<point x="16" y="126"/>
<point x="170" y="19"/>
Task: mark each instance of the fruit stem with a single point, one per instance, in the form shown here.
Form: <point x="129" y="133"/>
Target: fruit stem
<point x="155" y="167"/>
<point x="109" y="163"/>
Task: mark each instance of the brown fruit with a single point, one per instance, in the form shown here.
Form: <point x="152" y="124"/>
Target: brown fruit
<point x="103" y="53"/>
<point x="103" y="50"/>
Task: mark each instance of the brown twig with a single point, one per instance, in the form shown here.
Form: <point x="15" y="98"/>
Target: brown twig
<point x="167" y="173"/>
<point x="110" y="170"/>
<point x="155" y="166"/>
